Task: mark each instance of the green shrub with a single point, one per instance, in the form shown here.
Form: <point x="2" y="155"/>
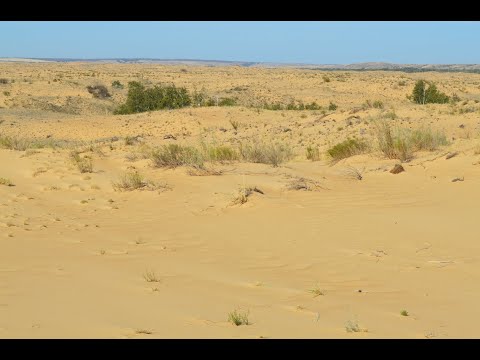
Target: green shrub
<point x="377" y="104"/>
<point x="332" y="106"/>
<point x="141" y="99"/>
<point x="292" y="106"/>
<point x="227" y="102"/>
<point x="423" y="95"/>
<point x="347" y="148"/>
<point x="117" y="84"/>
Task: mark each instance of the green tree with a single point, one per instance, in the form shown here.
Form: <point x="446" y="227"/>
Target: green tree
<point x="422" y="94"/>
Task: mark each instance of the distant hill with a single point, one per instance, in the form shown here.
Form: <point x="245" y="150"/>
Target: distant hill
<point x="365" y="66"/>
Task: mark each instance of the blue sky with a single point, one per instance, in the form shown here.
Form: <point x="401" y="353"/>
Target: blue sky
<point x="302" y="42"/>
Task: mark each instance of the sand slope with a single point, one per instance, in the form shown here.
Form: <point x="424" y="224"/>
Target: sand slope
<point x="73" y="252"/>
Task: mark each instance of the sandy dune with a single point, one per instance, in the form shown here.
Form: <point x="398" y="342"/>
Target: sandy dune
<point x="74" y="252"/>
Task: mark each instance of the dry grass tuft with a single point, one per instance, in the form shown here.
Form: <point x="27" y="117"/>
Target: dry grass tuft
<point x="402" y="143"/>
<point x="6" y="182"/>
<point x="243" y="194"/>
<point x="150" y="276"/>
<point x="302" y="183"/>
<point x="353" y="173"/>
<point x="135" y="181"/>
<point x="84" y="164"/>
<point x="261" y="152"/>
<point x="238" y="318"/>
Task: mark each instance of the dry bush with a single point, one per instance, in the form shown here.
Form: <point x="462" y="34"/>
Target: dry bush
<point x="203" y="171"/>
<point x="135" y="181"/>
<point x="99" y="91"/>
<point x="220" y="153"/>
<point x="313" y="153"/>
<point x="22" y="144"/>
<point x="301" y="183"/>
<point x="260" y="152"/>
<point x="353" y="173"/>
<point x="6" y="182"/>
<point x="174" y="155"/>
<point x="402" y="143"/>
<point x="84" y="164"/>
<point x="476" y="151"/>
<point x="243" y="194"/>
<point x="235" y="124"/>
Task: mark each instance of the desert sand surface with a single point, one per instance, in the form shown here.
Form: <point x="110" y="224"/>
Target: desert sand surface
<point x="309" y="261"/>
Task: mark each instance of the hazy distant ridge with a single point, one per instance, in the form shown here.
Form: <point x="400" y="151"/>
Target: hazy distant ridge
<point x="356" y="66"/>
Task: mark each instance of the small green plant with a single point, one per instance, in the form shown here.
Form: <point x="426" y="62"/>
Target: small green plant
<point x="313" y="153"/>
<point x="150" y="276"/>
<point x="404" y="313"/>
<point x="238" y="318"/>
<point x="332" y="106"/>
<point x="326" y="78"/>
<point x="84" y="164"/>
<point x="377" y="104"/>
<point x="346" y="149"/>
<point x="316" y="291"/>
<point x="227" y="102"/>
<point x="117" y="84"/>
<point x="6" y="93"/>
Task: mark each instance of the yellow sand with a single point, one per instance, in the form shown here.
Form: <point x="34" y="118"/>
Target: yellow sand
<point x="73" y="252"/>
